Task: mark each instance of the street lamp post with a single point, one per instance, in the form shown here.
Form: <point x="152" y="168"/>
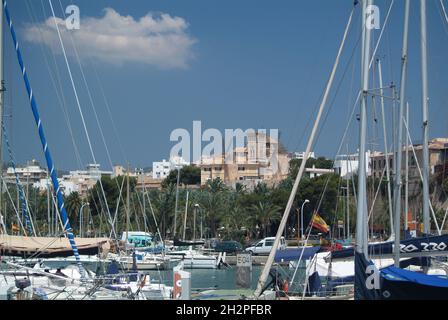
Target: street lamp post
<point x="202" y="217"/>
<point x="80" y="218"/>
<point x="301" y="217"/>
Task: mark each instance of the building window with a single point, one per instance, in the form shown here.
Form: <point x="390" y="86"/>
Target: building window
<point x="218" y="168"/>
<point x="241" y="168"/>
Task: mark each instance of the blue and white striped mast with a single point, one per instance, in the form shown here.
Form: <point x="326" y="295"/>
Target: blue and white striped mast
<point x="54" y="179"/>
<point x="2" y="91"/>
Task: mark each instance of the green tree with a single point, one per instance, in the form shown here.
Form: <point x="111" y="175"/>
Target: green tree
<point x="188" y="175"/>
<point x="73" y="204"/>
<point x="213" y="200"/>
<point x="233" y="222"/>
<point x="263" y="215"/>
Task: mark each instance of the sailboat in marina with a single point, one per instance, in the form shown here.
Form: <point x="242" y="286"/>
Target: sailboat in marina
<point x="395" y="269"/>
<point x="136" y="256"/>
<point x="262" y="291"/>
<point x="184" y="250"/>
<point x="28" y="246"/>
<point x="19" y="281"/>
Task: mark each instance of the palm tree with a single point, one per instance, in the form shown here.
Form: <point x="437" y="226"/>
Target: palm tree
<point x="213" y="199"/>
<point x="265" y="213"/>
<point x="215" y="185"/>
<point x="163" y="206"/>
<point x="240" y="189"/>
<point x="73" y="204"/>
<point x="232" y="221"/>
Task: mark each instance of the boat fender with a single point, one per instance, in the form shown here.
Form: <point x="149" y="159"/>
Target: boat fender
<point x="285" y="286"/>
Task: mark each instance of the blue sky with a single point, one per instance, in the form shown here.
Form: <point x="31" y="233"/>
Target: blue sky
<point x="235" y="64"/>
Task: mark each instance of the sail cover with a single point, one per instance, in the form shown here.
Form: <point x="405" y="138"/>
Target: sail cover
<point x="367" y="278"/>
<point x="47" y="247"/>
<point x="400" y="284"/>
<point x="428" y="244"/>
<point x="294" y="254"/>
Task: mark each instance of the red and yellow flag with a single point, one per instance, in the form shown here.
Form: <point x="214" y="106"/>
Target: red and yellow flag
<point x="319" y="223"/>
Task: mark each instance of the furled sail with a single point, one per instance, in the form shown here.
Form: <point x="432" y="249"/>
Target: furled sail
<point x="429" y="245"/>
<point x="48" y="247"/>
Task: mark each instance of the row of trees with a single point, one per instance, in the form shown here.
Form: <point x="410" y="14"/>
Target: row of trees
<point x="231" y="213"/>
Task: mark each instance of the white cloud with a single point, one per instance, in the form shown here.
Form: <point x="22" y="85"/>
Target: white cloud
<point x="155" y="39"/>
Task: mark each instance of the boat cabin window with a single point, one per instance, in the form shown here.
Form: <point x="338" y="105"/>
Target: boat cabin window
<point x="140" y="241"/>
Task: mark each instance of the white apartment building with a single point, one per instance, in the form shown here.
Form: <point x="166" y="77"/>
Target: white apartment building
<point x="31" y="173"/>
<point x="161" y="170"/>
<point x="76" y="181"/>
<point x="347" y="165"/>
<point x="301" y="155"/>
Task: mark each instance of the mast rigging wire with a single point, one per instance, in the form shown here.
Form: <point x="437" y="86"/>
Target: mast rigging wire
<point x="439" y="231"/>
<point x="25" y="208"/>
<point x="266" y="269"/>
<point x="93" y="108"/>
<point x="56" y="83"/>
<point x="81" y="112"/>
<point x="13" y="205"/>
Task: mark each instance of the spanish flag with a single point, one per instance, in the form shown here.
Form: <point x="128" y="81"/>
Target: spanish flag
<point x="319" y="223"/>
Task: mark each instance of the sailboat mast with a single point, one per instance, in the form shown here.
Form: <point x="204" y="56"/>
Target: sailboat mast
<point x="399" y="143"/>
<point x="143" y="197"/>
<point x="50" y="165"/>
<point x="185" y="217"/>
<point x="386" y="151"/>
<point x="2" y="91"/>
<point x="361" y="216"/>
<point x="406" y="191"/>
<point x="48" y="205"/>
<point x="348" y="196"/>
<point x="127" y="207"/>
<point x="177" y="200"/>
<point x="424" y="66"/>
<point x="265" y="273"/>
